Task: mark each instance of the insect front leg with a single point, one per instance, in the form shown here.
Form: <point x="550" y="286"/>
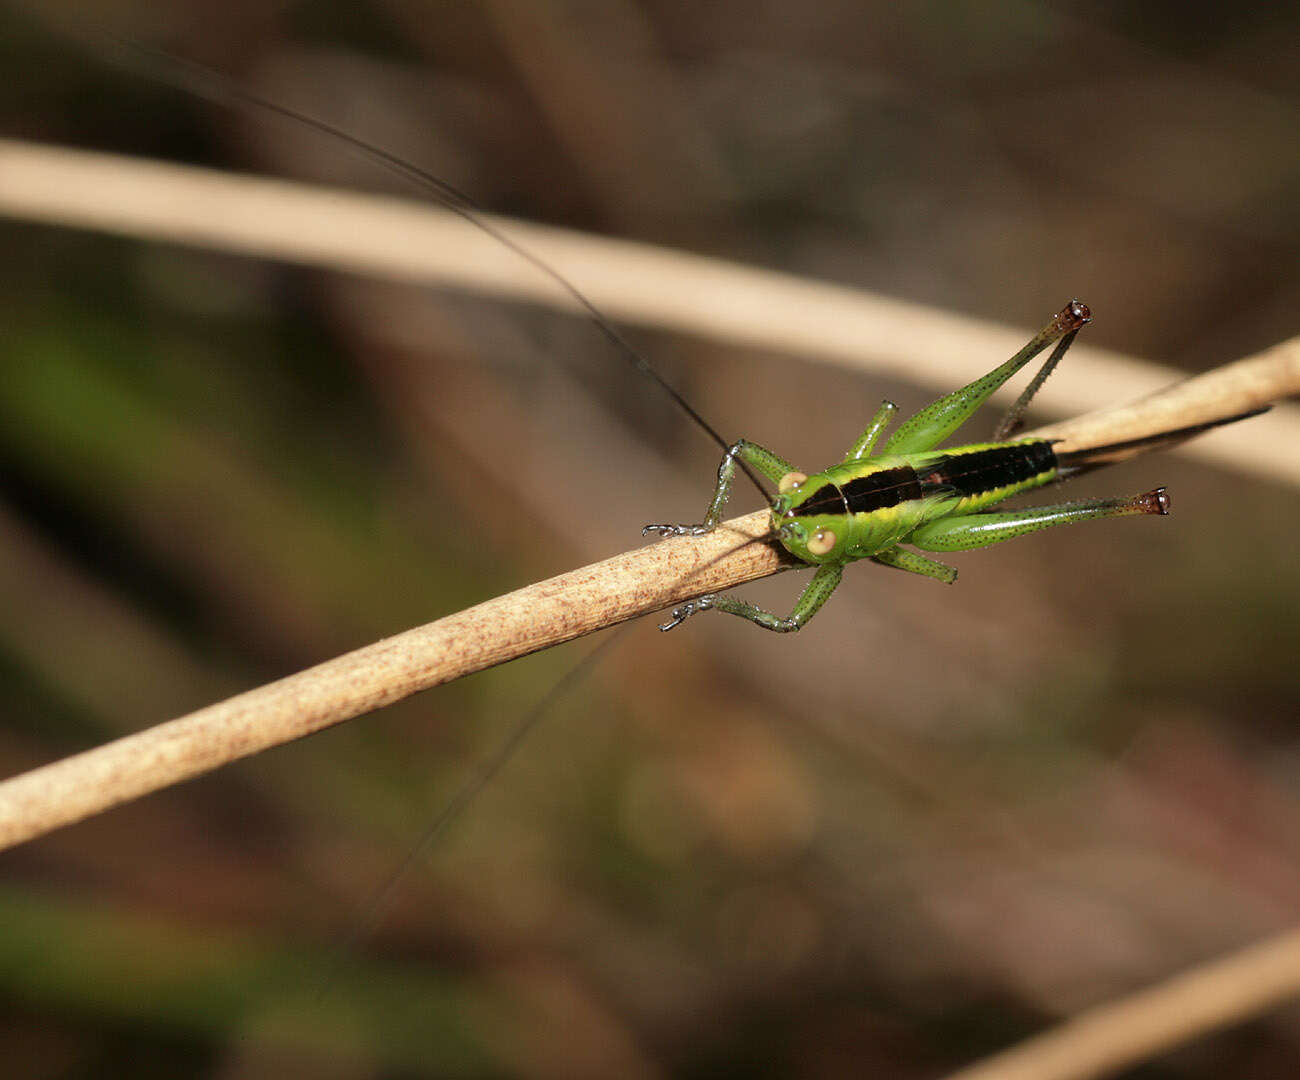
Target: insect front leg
<point x="757" y="457"/>
<point x="814" y="595"/>
<point x="980" y="530"/>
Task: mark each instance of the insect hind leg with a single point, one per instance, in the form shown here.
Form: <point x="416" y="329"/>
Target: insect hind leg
<point x="1013" y="421"/>
<point x="981" y="530"/>
<point x="933" y="424"/>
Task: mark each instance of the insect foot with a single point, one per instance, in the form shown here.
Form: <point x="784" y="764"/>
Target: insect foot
<point x="676" y="530"/>
<point x="681" y="614"/>
<point x="1073" y="316"/>
<point x="1156" y="501"/>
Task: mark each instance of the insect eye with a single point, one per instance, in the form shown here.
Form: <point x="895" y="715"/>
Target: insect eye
<point x="791" y="481"/>
<point x="823" y="540"/>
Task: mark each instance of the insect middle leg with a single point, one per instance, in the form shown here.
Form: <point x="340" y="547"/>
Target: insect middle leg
<point x="757" y="457"/>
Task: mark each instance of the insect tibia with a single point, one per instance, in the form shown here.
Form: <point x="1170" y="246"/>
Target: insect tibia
<point x="1155" y="501"/>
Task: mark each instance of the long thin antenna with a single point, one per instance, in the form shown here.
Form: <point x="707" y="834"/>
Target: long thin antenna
<point x="206" y="83"/>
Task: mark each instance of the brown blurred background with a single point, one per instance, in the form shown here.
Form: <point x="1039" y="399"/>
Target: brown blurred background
<point x="935" y="822"/>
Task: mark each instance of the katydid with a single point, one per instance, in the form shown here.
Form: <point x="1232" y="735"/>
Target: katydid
<point x="868" y="505"/>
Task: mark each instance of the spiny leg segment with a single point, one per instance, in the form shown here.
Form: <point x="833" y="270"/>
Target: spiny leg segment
<point x="933" y="424"/>
<point x="969" y="531"/>
<point x="1013" y="421"/>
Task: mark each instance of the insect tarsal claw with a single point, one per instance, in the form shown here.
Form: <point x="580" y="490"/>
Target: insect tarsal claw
<point x="681" y="614"/>
<point x="667" y="530"/>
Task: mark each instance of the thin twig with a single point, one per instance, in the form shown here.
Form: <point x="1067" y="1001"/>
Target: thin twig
<point x="414" y="241"/>
<point x="1122" y="1033"/>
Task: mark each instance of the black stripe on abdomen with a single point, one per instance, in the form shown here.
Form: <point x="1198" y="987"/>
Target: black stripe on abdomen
<point x="981" y="471"/>
<point x="882" y="489"/>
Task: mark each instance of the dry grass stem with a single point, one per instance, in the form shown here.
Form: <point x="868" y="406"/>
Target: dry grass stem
<point x="1123" y="1033"/>
<point x="417" y="242"/>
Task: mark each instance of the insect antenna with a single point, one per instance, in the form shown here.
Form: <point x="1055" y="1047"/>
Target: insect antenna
<point x="203" y="82"/>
